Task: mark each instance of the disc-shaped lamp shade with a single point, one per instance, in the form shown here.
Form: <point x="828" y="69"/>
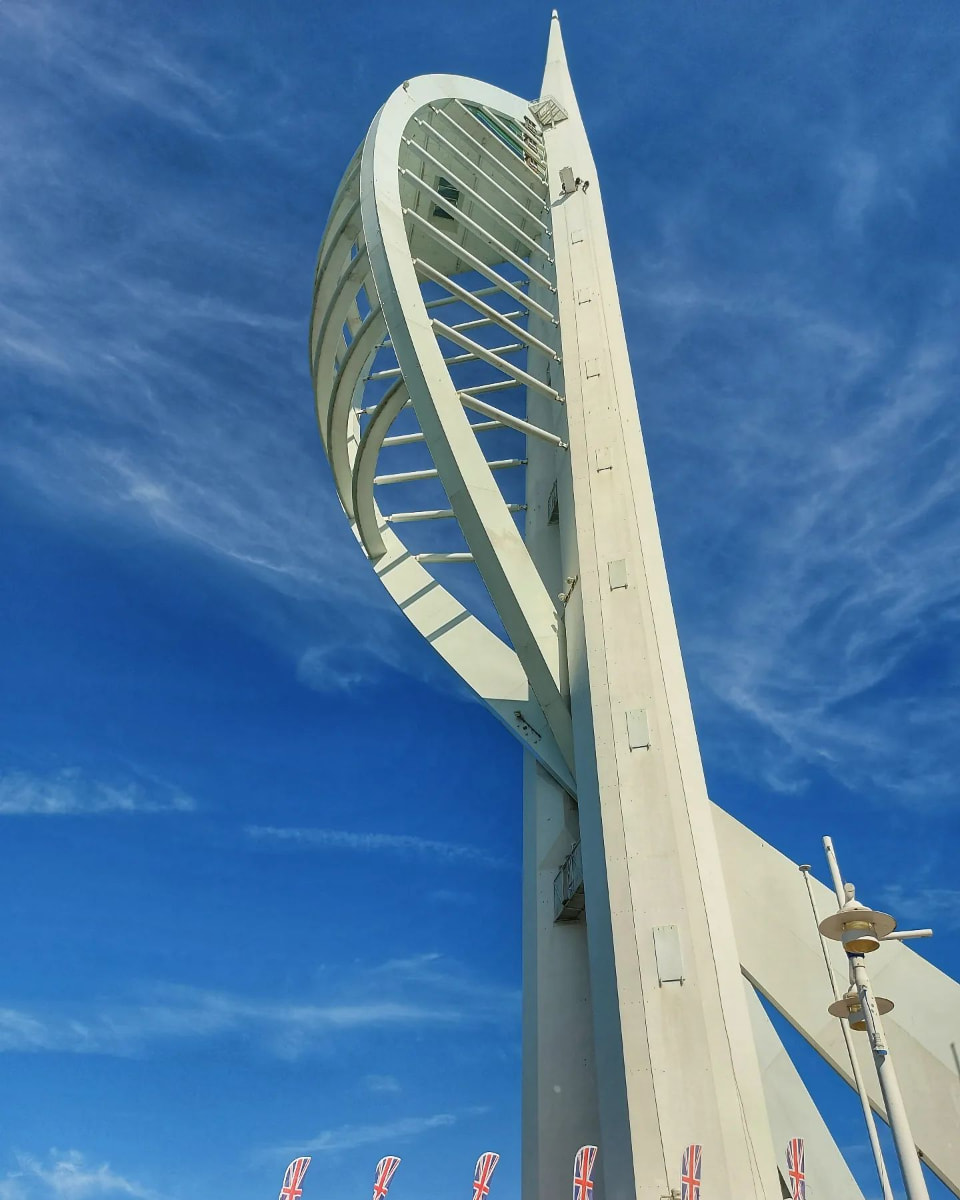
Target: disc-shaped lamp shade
<point x="859" y="929"/>
<point x="848" y="1009"/>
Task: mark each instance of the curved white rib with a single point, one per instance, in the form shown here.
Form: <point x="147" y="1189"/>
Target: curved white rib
<point x="526" y="609"/>
<point x="384" y="234"/>
<point x="355" y="363"/>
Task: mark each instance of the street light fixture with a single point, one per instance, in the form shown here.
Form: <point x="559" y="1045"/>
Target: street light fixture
<point x="860" y="930"/>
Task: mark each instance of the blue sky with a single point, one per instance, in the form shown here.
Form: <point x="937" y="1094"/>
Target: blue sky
<point x="261" y="894"/>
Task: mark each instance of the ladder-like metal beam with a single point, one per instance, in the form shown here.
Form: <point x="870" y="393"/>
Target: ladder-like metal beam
<point x="437" y="514"/>
<point x="409" y="439"/>
<point x="490" y="291"/>
<point x="393" y="372"/>
<point x="433" y="131"/>
<point x="502" y="464"/>
<point x="485" y="151"/>
<point x="494" y="360"/>
<point x="512" y="422"/>
<point x="481" y="389"/>
<point x="478" y="265"/>
<point x="472" y="116"/>
<point x="491" y="313"/>
<point x="530" y="143"/>
<point x="484" y="291"/>
<point x="458" y="216"/>
<point x="485" y="204"/>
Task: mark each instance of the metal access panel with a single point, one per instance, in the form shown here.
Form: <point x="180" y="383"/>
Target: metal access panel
<point x="617" y="573"/>
<point x="638" y="729"/>
<point x="666" y="946"/>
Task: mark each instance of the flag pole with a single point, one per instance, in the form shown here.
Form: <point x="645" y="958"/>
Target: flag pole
<point x="869" y="1119"/>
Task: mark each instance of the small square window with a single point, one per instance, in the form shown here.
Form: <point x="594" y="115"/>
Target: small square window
<point x="448" y="192"/>
<point x="553" y="507"/>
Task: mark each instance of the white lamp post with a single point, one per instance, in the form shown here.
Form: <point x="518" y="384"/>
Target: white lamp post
<point x="845" y="1027"/>
<point x="860" y="930"/>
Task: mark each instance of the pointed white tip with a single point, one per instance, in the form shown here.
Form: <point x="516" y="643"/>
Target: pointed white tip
<point x="556" y="78"/>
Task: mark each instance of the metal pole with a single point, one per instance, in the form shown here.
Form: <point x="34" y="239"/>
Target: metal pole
<point x="868" y="1117"/>
<point x="906" y="1147"/>
<point x="834" y="871"/>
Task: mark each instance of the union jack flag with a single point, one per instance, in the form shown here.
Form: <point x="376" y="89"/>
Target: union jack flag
<point x="293" y="1179"/>
<point x="690" y="1175"/>
<point x="486" y="1164"/>
<point x="583" y="1173"/>
<point x="795" y="1169"/>
<point x="385" y="1169"/>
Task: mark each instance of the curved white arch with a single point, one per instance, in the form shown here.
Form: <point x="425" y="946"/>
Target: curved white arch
<point x="354" y="257"/>
<point x="355" y="363"/>
<point x="365" y="468"/>
<point x="526" y="609"/>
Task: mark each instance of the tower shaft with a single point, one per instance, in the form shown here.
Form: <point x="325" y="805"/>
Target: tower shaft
<point x="674" y="1055"/>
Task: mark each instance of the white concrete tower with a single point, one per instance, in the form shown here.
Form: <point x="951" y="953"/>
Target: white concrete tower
<point x="476" y="403"/>
<point x="674" y="1057"/>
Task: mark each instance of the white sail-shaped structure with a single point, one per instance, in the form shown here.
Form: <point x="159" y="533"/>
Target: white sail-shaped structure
<point x="476" y="404"/>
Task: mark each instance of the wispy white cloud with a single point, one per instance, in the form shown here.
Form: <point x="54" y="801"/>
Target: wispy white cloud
<point x="375" y="843"/>
<point x="804" y="448"/>
<point x="792" y="330"/>
<point x="169" y="402"/>
<point x="920" y="907"/>
<point x="67" y="1175"/>
<point x="70" y="792"/>
<point x="338" y="668"/>
<point x="843" y="582"/>
<point x="129" y="65"/>
<point x="159" y="327"/>
<point x="188" y="1014"/>
<point x="423" y="991"/>
<point x="350" y="1137"/>
<point x="859" y="174"/>
<point x="382" y="1084"/>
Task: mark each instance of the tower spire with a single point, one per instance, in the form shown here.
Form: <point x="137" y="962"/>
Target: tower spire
<point x="556" y="74"/>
